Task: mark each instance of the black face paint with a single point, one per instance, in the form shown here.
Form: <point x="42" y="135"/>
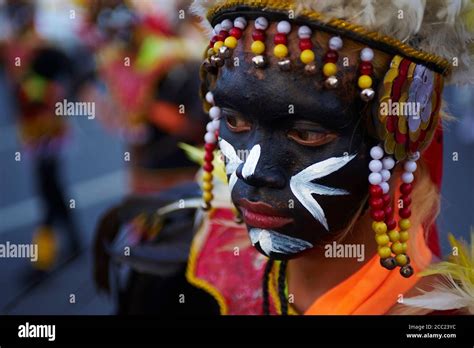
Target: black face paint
<point x="294" y="124"/>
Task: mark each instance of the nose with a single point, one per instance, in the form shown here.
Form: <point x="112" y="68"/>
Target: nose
<point x="263" y="176"/>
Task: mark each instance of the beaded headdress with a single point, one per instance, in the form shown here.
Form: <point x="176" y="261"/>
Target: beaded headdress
<point x="429" y="43"/>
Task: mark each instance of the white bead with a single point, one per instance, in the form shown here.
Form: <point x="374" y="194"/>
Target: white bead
<point x="367" y="54"/>
<point x="261" y="23"/>
<point x="410" y="166"/>
<point x="335" y="43"/>
<point x="284" y="27"/>
<point x="240" y="22"/>
<point x="375" y="178"/>
<point x="216" y="124"/>
<point x="388" y="163"/>
<point x="414" y="156"/>
<point x="210" y="138"/>
<point x="385" y="174"/>
<point x="210" y="98"/>
<point x="217" y="29"/>
<point x="215" y="112"/>
<point x="210" y="127"/>
<point x="385" y="187"/>
<point x="376" y="152"/>
<point x="375" y="166"/>
<point x="407" y="177"/>
<point x="227" y="24"/>
<point x="304" y="32"/>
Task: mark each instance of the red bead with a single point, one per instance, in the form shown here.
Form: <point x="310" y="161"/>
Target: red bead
<point x="213" y="41"/>
<point x="376" y="203"/>
<point x="331" y="56"/>
<point x="209" y="147"/>
<point x="258" y="35"/>
<point x="208" y="157"/>
<point x="305" y="44"/>
<point x="377" y="215"/>
<point x="388" y="211"/>
<point x="280" y="39"/>
<point x="404" y="213"/>
<point x="236" y="32"/>
<point x="406" y="188"/>
<point x="391" y="224"/>
<point x="208" y="167"/>
<point x="223" y="34"/>
<point x="365" y="68"/>
<point x="375" y="191"/>
<point x="406" y="200"/>
<point x="386" y="199"/>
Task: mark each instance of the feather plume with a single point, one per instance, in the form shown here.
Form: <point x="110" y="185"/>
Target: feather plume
<point x="456" y="289"/>
<point x="441" y="27"/>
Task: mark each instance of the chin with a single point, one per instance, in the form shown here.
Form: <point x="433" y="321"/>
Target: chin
<point x="276" y="245"/>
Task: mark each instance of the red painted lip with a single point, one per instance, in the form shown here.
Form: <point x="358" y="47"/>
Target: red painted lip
<point x="262" y="215"/>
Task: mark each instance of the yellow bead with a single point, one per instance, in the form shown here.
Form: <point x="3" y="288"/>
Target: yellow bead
<point x="329" y="69"/>
<point x="230" y="42"/>
<point x="382" y="239"/>
<point x="401" y="259"/>
<point x="404" y="224"/>
<point x="404" y="247"/>
<point x="379" y="227"/>
<point x="365" y="81"/>
<point x="404" y="235"/>
<point x="207" y="196"/>
<point x="218" y="45"/>
<point x="210" y="52"/>
<point x="258" y="47"/>
<point x="207" y="186"/>
<point x="397" y="248"/>
<point x="307" y="56"/>
<point x="280" y="51"/>
<point x="207" y="176"/>
<point x="384" y="252"/>
<point x="394" y="236"/>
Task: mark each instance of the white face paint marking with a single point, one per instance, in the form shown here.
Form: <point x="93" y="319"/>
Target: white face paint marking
<point x="271" y="241"/>
<point x="303" y="188"/>
<point x="251" y="162"/>
<point x="233" y="161"/>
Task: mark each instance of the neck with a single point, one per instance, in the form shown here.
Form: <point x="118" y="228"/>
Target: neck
<point x="323" y="267"/>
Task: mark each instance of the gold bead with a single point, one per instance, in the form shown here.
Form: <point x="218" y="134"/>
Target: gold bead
<point x="404" y="224"/>
<point x="230" y="42"/>
<point x="404" y="247"/>
<point x="379" y="227"/>
<point x="365" y="81"/>
<point x="207" y="186"/>
<point x="394" y="236"/>
<point x="404" y="235"/>
<point x="402" y="259"/>
<point x="280" y="51"/>
<point x="207" y="176"/>
<point x="329" y="69"/>
<point x="307" y="56"/>
<point x="258" y="47"/>
<point x="207" y="196"/>
<point x="397" y="248"/>
<point x="384" y="252"/>
<point x="218" y="45"/>
<point x="382" y="239"/>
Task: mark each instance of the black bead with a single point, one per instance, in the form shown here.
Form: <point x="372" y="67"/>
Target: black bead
<point x="406" y="271"/>
<point x="388" y="263"/>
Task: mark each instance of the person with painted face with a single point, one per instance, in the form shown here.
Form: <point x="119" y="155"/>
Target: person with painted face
<point x="327" y="116"/>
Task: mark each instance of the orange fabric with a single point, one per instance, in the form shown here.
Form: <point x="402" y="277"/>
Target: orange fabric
<point x="373" y="290"/>
<point x="167" y="117"/>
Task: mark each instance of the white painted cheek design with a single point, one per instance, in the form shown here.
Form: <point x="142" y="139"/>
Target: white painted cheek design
<point x="251" y="162"/>
<point x="303" y="188"/>
<point x="233" y="161"/>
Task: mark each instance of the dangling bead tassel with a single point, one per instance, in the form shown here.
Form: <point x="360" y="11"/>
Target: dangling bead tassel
<point x="281" y="49"/>
<point x="330" y="60"/>
<point x="210" y="144"/>
<point x="235" y="33"/>
<point x="306" y="46"/>
<point x="365" y="72"/>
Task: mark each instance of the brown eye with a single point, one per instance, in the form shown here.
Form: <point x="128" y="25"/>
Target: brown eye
<point x="311" y="138"/>
<point x="237" y="124"/>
